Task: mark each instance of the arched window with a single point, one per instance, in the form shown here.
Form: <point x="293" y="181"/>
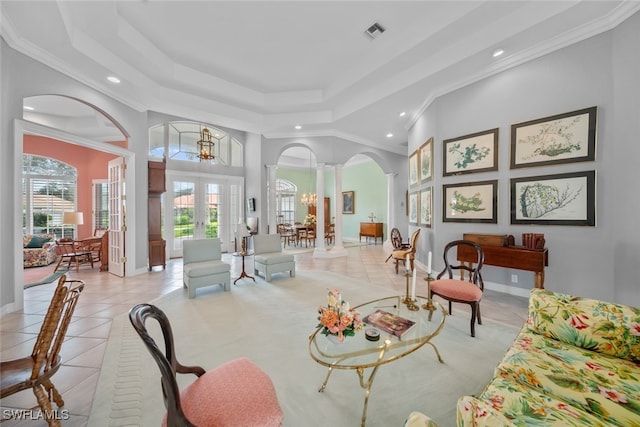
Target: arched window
<point x="179" y="141"/>
<point x="49" y="189"/>
<point x="285" y="201"/>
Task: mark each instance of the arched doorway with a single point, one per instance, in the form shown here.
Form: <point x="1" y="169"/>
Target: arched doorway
<point x="92" y="134"/>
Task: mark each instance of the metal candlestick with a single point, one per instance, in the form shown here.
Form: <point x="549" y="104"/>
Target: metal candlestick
<point x="429" y="304"/>
<point x="410" y="303"/>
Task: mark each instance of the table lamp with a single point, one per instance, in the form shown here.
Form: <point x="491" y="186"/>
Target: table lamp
<point x="72" y="218"/>
<point x="241" y="234"/>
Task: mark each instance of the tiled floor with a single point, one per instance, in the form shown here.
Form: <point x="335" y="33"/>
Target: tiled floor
<point x="106" y="296"/>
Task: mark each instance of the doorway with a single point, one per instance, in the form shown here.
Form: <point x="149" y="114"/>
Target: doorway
<point x="22" y="128"/>
<point x="199" y="207"/>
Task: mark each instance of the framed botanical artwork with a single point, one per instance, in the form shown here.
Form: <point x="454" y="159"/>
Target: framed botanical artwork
<point x="563" y="138"/>
<point x="477" y="152"/>
<point x="413" y="208"/>
<point x="562" y="199"/>
<point x="426" y="207"/>
<point x="470" y="202"/>
<point x="426" y="160"/>
<point x="348" y="202"/>
<point x="414" y="172"/>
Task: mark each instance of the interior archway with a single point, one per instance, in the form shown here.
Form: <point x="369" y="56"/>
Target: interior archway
<point x="53" y="117"/>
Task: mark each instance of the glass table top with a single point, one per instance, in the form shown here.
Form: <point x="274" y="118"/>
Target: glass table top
<point x="357" y="352"/>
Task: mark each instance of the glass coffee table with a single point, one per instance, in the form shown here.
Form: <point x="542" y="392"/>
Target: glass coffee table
<point x="360" y="354"/>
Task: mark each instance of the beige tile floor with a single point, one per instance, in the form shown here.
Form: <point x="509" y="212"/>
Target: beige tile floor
<point x="107" y="296"/>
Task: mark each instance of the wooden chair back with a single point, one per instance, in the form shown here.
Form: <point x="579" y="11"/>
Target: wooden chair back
<point x="166" y="360"/>
<point x="35" y="371"/>
<point x="46" y="351"/>
<point x="413" y="243"/>
<point x="472" y="270"/>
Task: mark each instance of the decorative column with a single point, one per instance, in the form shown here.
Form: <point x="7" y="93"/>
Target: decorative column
<point x="391" y="208"/>
<point x="271" y="199"/>
<point x="319" y="208"/>
<point x="338" y="249"/>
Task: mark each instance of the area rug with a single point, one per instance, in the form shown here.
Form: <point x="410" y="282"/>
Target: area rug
<point x="270" y="323"/>
<point x="40" y="275"/>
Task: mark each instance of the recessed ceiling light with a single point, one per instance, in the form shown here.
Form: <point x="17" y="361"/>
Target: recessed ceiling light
<point x="28" y="108"/>
<point x="113" y="79"/>
<point x="498" y="52"/>
<point x="298" y="127"/>
<point x="403" y="114"/>
<point x="389" y="135"/>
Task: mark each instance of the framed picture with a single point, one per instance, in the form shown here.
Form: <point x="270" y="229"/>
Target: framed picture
<point x="470" y="202"/>
<point x="413" y="208"/>
<point x="426" y="207"/>
<point x="426" y="160"/>
<point x="251" y="204"/>
<point x="348" y="202"/>
<point x="477" y="152"/>
<point x="414" y="172"/>
<point x="564" y="138"/>
<point x="562" y="199"/>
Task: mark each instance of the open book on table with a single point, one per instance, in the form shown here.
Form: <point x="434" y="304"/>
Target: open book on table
<point x="389" y="322"/>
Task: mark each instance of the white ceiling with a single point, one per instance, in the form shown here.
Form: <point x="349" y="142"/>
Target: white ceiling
<point x="266" y="66"/>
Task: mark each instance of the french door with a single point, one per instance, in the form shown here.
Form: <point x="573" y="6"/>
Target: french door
<point x="117" y="216"/>
<point x="201" y="208"/>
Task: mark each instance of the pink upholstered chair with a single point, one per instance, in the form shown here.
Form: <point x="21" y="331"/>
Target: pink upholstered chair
<point x="460" y="290"/>
<point x="237" y="393"/>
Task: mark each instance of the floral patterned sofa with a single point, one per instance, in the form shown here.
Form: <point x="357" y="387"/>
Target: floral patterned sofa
<point x="38" y="249"/>
<point x="576" y="361"/>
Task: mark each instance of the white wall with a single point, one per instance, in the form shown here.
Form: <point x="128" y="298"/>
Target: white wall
<point x="599" y="261"/>
<point x="22" y="77"/>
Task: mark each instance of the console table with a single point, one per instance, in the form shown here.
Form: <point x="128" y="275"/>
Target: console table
<point x="371" y="229"/>
<point x="516" y="257"/>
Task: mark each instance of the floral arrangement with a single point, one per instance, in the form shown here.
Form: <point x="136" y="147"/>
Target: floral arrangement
<point x="310" y="219"/>
<point x="338" y="318"/>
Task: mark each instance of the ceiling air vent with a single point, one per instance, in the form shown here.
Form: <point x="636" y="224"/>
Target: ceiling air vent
<point x="374" y="31"/>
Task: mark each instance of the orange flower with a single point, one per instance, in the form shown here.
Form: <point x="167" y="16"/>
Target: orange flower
<point x="329" y="318"/>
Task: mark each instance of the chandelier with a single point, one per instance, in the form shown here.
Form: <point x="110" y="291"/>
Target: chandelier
<point x="309" y="199"/>
<point x="205" y="145"/>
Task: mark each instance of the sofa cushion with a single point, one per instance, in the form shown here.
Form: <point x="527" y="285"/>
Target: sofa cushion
<point x="525" y="406"/>
<point x="205" y="268"/>
<point x="198" y="250"/>
<point x="37" y="242"/>
<point x="607" y="328"/>
<point x="266" y="243"/>
<point x="273" y="258"/>
<point x="595" y="383"/>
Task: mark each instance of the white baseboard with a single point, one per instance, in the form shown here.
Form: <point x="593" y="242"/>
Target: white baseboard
<point x="506" y="289"/>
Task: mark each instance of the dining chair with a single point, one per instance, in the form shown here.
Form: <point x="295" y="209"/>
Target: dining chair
<point x="400" y="255"/>
<point x="330" y="236"/>
<point x="71" y="251"/>
<point x="236" y="393"/>
<point x="460" y="290"/>
<point x="396" y="242"/>
<point x="310" y="235"/>
<point x="35" y="371"/>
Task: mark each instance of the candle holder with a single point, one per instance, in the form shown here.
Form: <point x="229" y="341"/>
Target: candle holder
<point x="429" y="304"/>
<point x="410" y="303"/>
